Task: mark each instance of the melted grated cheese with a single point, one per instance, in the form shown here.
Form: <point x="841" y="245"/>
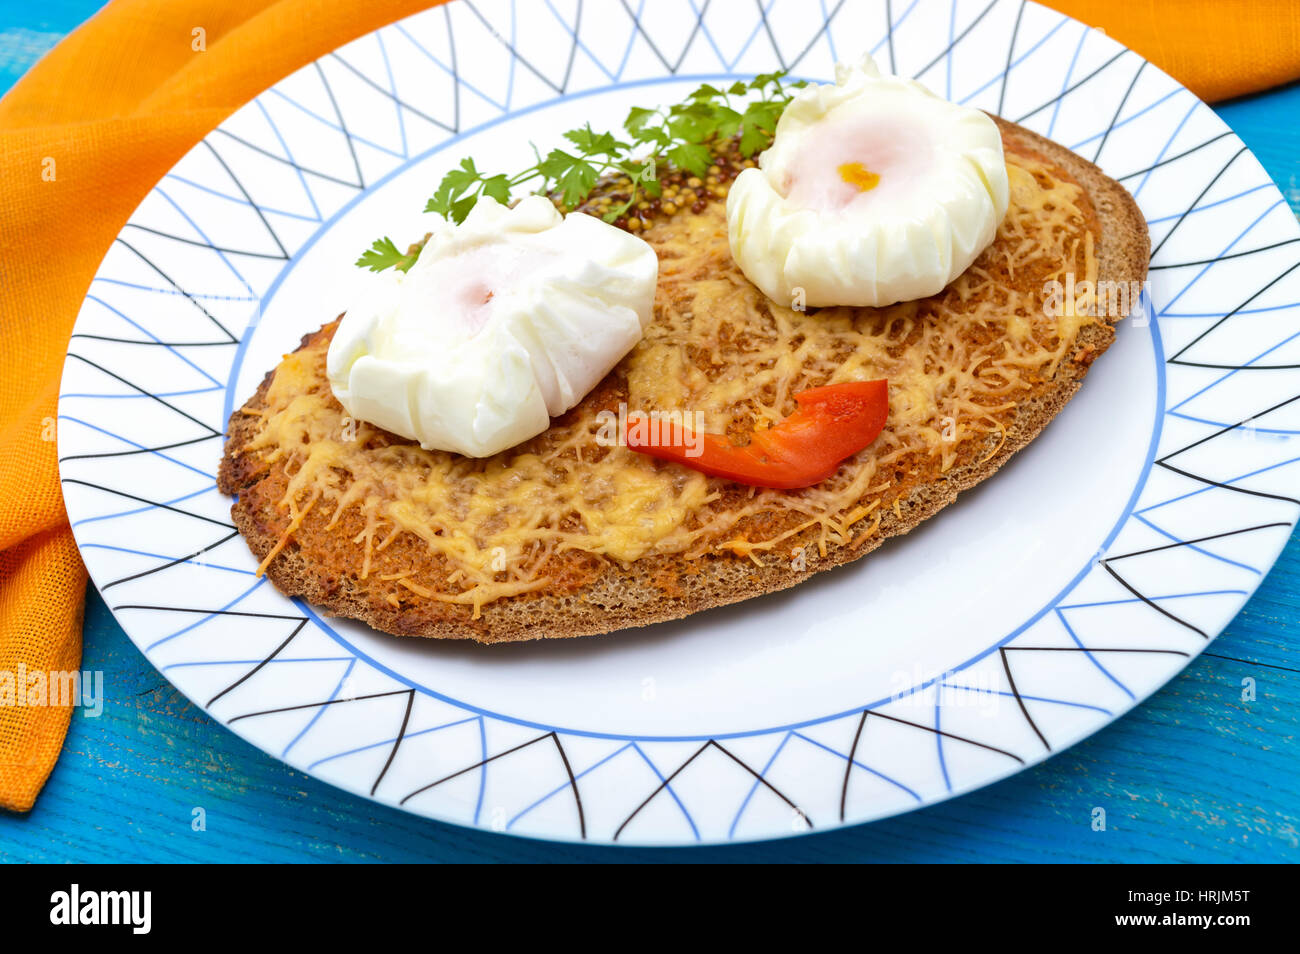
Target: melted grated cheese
<point x="956" y="363"/>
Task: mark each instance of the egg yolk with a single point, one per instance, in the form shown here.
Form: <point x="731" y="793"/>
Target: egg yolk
<point x="856" y="174"/>
<point x="843" y="159"/>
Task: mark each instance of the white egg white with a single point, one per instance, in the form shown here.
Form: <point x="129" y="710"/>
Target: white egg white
<point x="503" y="322"/>
<point x="805" y="230"/>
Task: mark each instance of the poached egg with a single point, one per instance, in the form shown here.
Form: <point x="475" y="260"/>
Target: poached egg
<point x="873" y="191"/>
<point x="502" y="323"/>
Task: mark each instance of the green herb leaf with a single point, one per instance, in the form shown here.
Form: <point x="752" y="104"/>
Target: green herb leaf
<point x="689" y="129"/>
<point x="752" y="140"/>
<point x="462" y="178"/>
<point x="638" y="118"/>
<point x="452" y="190"/>
<point x="759" y="124"/>
<point x="763" y="80"/>
<point x="692" y="157"/>
<point x="384" y="254"/>
<point x="678" y="137"/>
<point x="497" y="187"/>
<point x="654" y="136"/>
<point x="726" y="122"/>
<point x="595" y="144"/>
<point x="707" y="92"/>
<point x="573" y="176"/>
<point x="460" y="208"/>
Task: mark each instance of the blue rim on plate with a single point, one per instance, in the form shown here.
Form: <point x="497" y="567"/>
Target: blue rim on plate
<point x="155" y="368"/>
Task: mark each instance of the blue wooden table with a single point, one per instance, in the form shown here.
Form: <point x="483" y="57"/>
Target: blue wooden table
<point x="1194" y="774"/>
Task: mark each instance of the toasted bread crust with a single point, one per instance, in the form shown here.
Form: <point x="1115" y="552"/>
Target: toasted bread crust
<point x="619" y="598"/>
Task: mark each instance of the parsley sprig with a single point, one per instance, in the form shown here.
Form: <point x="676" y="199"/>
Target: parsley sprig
<point x="651" y="143"/>
<point x="384" y="254"/>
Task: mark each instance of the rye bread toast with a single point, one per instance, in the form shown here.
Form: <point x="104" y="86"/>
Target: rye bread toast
<point x="320" y="559"/>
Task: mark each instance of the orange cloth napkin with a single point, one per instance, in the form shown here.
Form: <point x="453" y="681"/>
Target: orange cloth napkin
<point x="115" y="105"/>
<point x="122" y="98"/>
<point x="1216" y="48"/>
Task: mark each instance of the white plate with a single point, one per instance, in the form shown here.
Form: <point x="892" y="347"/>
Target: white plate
<point x="1030" y="614"/>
